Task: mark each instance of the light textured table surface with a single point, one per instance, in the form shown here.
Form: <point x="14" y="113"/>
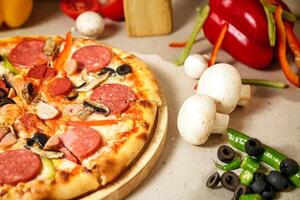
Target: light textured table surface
<point x="273" y="115"/>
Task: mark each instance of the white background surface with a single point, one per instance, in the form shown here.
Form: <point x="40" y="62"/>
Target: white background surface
<point x="273" y="115"/>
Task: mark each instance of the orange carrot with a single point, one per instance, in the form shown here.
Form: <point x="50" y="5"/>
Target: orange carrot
<point x="286" y="68"/>
<point x="93" y="123"/>
<point x="218" y="45"/>
<point x="177" y="44"/>
<point x="293" y="42"/>
<point x="63" y="56"/>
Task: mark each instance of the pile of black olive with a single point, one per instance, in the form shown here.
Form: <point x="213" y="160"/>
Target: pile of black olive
<point x="264" y="185"/>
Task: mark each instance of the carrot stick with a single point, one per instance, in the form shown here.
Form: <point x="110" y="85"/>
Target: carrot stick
<point x="218" y="45"/>
<point x="63" y="56"/>
<point x="177" y="44"/>
<point x="290" y="75"/>
<point x="293" y="42"/>
<point x="93" y="123"/>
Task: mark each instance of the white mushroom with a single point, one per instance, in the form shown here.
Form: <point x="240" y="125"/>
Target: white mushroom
<point x="198" y="118"/>
<point x="223" y="83"/>
<point x="90" y="24"/>
<point x="46" y="111"/>
<point x="195" y="65"/>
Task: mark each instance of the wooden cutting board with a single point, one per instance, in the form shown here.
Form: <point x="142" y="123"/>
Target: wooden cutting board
<point x="135" y="175"/>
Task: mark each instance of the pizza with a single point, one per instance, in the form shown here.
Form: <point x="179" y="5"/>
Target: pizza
<point x="74" y="115"/>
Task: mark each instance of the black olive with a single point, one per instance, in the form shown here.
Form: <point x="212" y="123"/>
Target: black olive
<point x="73" y="95"/>
<point x="258" y="185"/>
<point x="29" y="142"/>
<point x="6" y="100"/>
<point x="289" y="167"/>
<point x="213" y="181"/>
<point x="124" y="69"/>
<point x="5" y="80"/>
<point x="254" y="147"/>
<point x="3" y="93"/>
<point x="225" y="154"/>
<point x="258" y="175"/>
<point x="230" y="180"/>
<point x="40" y="138"/>
<point x="268" y="193"/>
<point x="30" y="89"/>
<point x="1" y="58"/>
<point x="107" y="70"/>
<point x="277" y="180"/>
<point x="240" y="190"/>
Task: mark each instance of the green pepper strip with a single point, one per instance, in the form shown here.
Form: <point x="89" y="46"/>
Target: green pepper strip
<point x="286" y="14"/>
<point x="48" y="169"/>
<point x="250" y="164"/>
<point x="202" y="16"/>
<point x="250" y="197"/>
<point x="235" y="164"/>
<point x="265" y="83"/>
<point x="9" y="66"/>
<point x="270" y="156"/>
<point x="271" y="27"/>
<point x="246" y="177"/>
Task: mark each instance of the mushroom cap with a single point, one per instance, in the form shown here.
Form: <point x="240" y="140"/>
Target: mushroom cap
<point x="195" y="65"/>
<point x="90" y="23"/>
<point x="223" y="83"/>
<point x="196" y="118"/>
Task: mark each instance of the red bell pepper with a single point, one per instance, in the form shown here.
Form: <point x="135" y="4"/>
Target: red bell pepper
<point x="247" y="36"/>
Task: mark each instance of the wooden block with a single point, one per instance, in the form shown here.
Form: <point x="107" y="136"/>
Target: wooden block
<point x="148" y="17"/>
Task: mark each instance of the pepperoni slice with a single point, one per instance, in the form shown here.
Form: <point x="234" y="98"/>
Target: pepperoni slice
<point x="29" y="120"/>
<point x="115" y="96"/>
<point x="37" y="72"/>
<point x="18" y="166"/>
<point x="50" y="73"/>
<point x="93" y="58"/>
<point x="28" y="53"/>
<point x="59" y="86"/>
<point x="82" y="141"/>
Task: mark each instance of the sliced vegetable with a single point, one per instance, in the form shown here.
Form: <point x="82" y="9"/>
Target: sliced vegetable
<point x="251" y="197"/>
<point x="230" y="180"/>
<point x="124" y="69"/>
<point x="246" y="177"/>
<point x="254" y="147"/>
<point x="235" y="164"/>
<point x="258" y="175"/>
<point x="225" y="154"/>
<point x="177" y="44"/>
<point x="240" y="190"/>
<point x="269" y="192"/>
<point x="270" y="156"/>
<point x="93" y="123"/>
<point x="8" y="65"/>
<point x="286" y="68"/>
<point x="63" y="56"/>
<point x="107" y="70"/>
<point x="202" y="16"/>
<point x="213" y="181"/>
<point x="286" y="14"/>
<point x="265" y="83"/>
<point x="293" y="42"/>
<point x="271" y="26"/>
<point x="40" y="138"/>
<point x="48" y="171"/>
<point x="218" y="44"/>
<point x="98" y="107"/>
<point x="72" y="95"/>
<point x="73" y="8"/>
<point x="28" y="92"/>
<point x="49" y="47"/>
<point x="258" y="186"/>
<point x="277" y="180"/>
<point x="6" y="100"/>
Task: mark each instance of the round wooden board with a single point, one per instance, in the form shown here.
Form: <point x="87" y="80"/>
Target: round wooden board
<point x="133" y="177"/>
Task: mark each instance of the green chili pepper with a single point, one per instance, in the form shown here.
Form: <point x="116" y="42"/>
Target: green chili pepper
<point x="9" y="66"/>
<point x="251" y="197"/>
<point x="235" y="164"/>
<point x="285" y="14"/>
<point x="265" y="83"/>
<point x="202" y="16"/>
<point x="270" y="156"/>
<point x="250" y="164"/>
<point x="246" y="177"/>
<point x="271" y="27"/>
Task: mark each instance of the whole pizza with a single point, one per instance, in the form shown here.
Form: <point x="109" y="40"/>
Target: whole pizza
<point x="74" y="114"/>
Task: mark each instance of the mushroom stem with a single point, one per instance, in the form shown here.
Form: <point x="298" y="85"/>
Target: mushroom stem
<point x="221" y="123"/>
<point x="245" y="95"/>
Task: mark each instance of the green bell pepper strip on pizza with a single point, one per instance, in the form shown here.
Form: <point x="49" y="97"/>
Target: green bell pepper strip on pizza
<point x="250" y="164"/>
<point x="270" y="156"/>
<point x="48" y="171"/>
<point x="9" y="66"/>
